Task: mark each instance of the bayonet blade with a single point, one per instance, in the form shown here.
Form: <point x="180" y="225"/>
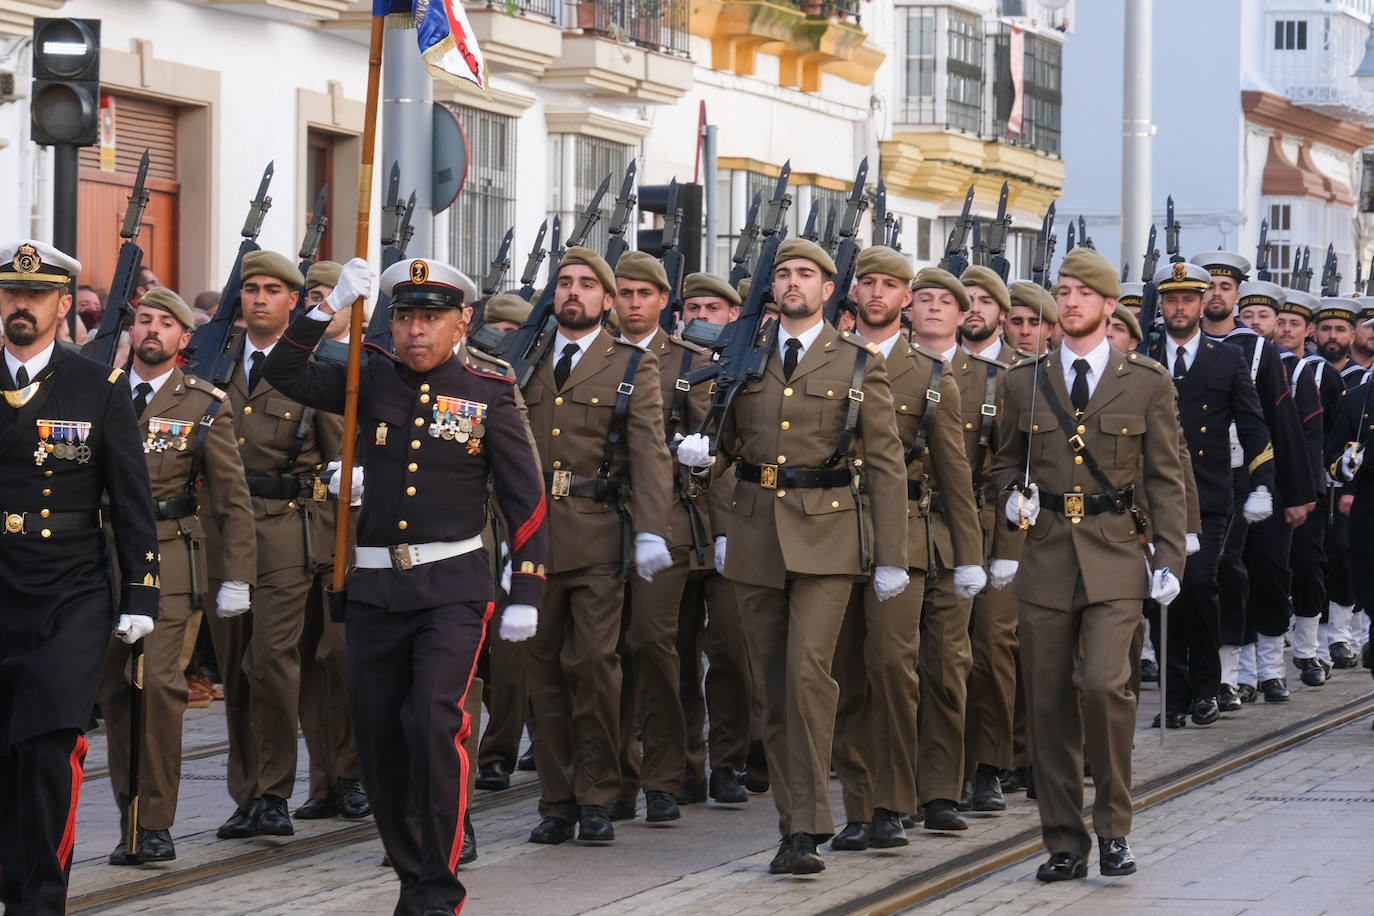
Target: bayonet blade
<point x="315" y="231"/>
<point x="260" y="205"/>
<point x="777" y="204"/>
<point x="810" y="232"/>
<point x="536" y="256"/>
<point x="499" y="265"/>
<point x="590" y="214"/>
<point x="138" y="201"/>
<point x="403" y="236"/>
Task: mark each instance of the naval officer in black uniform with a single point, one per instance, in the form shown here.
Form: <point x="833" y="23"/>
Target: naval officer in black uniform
<point x="432" y="431"/>
<point x="68" y="437"/>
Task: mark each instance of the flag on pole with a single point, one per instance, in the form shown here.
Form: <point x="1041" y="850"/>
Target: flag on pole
<point x="1017" y="55"/>
<point x="447" y="44"/>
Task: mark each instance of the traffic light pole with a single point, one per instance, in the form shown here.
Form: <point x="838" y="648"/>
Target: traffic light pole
<point x="64" y="206"/>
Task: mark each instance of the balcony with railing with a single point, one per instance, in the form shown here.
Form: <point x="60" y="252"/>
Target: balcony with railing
<point x="625" y="48"/>
<point x="655" y="25"/>
<point x="518" y="37"/>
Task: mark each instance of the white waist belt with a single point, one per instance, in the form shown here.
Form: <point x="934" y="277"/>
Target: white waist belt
<point x="404" y="556"/>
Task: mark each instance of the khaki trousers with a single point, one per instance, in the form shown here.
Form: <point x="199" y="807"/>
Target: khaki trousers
<point x="991" y="707"/>
<point x="325" y="719"/>
<point x="574" y="683"/>
<point x="709" y="621"/>
<point x="791" y="633"/>
<point x="507" y="697"/>
<point x="1077" y="699"/>
<point x="946" y="660"/>
<point x="164" y="696"/>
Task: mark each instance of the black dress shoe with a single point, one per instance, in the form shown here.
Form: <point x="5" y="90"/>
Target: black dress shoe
<point x="1228" y="698"/>
<point x="595" y="825"/>
<point x="1326" y="666"/>
<point x="1342" y="656"/>
<point x="942" y="814"/>
<point x="911" y="821"/>
<point x="660" y="807"/>
<point x="855" y="837"/>
<point x="1313" y="674"/>
<point x="1015" y="779"/>
<point x="353" y="803"/>
<point x="1247" y="693"/>
<point x="782" y="860"/>
<point x="155" y="846"/>
<point x="469" y="853"/>
<point x="551" y="831"/>
<point x="1062" y="866"/>
<point x="624" y="809"/>
<point x="525" y="762"/>
<point x="887" y="829"/>
<point x="1114" y="856"/>
<point x="726" y="787"/>
<point x="317" y="809"/>
<point x="804" y="859"/>
<point x="691" y="793"/>
<point x="240" y="823"/>
<point x="1275" y="690"/>
<point x="966" y="796"/>
<point x="1030" y="784"/>
<point x="493" y="775"/>
<point x="1205" y="711"/>
<point x="1171" y="719"/>
<point x="987" y="790"/>
<point x="271" y="818"/>
<point x="1149" y="671"/>
<point x="120" y="855"/>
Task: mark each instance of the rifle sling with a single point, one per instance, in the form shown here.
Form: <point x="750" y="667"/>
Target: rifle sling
<point x="918" y="444"/>
<point x="988" y="410"/>
<point x="851" y="419"/>
<point x="682" y="388"/>
<point x="1079" y="447"/>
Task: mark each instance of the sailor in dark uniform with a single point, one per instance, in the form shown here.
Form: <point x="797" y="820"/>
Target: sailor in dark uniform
<point x="68" y="437"/>
<point x="432" y="430"/>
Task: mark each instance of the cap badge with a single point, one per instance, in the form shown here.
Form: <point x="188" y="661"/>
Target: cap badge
<point x="419" y="271"/>
<point x="1180" y="272"/>
<point x="27" y="261"/>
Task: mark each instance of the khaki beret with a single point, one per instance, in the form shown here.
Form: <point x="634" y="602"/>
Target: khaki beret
<point x="700" y="284"/>
<point x="639" y="265"/>
<point x="164" y="300"/>
<point x="1093" y="270"/>
<point x="939" y="278"/>
<point x="585" y="256"/>
<point x="270" y="264"/>
<point x="1123" y="315"/>
<point x="768" y="304"/>
<point x="1036" y="298"/>
<point x="506" y="307"/>
<point x="879" y="259"/>
<point x="804" y="248"/>
<point x="323" y="273"/>
<point x="986" y="278"/>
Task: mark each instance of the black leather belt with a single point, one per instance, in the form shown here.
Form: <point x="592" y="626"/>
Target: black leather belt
<point x="566" y="483"/>
<point x="308" y="487"/>
<point x="51" y="523"/>
<point x="1078" y="505"/>
<point x="773" y="477"/>
<point x="177" y="507"/>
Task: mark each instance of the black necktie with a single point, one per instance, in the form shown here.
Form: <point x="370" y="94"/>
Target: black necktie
<point x="255" y="370"/>
<point x="789" y="359"/>
<point x="563" y="368"/>
<point x="21" y="378"/>
<point x="142" y="391"/>
<point x="1180" y="365"/>
<point x="1079" y="394"/>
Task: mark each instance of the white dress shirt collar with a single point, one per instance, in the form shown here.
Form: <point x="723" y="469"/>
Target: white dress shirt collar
<point x="807" y="338"/>
<point x="34" y="366"/>
<point x="1097" y="364"/>
<point x="1189" y="351"/>
<point x="887" y="345"/>
<point x="155" y="383"/>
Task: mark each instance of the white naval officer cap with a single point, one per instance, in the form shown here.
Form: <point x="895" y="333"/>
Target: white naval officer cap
<point x="422" y="283"/>
<point x="26" y="264"/>
<point x="1181" y="275"/>
<point x="1224" y="264"/>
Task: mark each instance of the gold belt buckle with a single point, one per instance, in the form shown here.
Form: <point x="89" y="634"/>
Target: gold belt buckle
<point x="14" y="523"/>
<point x="768" y="476"/>
<point x="562" y="483"/>
<point x="400" y="557"/>
<point x="1073" y="505"/>
<point x="320" y="490"/>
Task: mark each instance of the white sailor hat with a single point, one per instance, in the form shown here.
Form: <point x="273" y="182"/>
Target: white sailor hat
<point x="1366" y="309"/>
<point x="1181" y="275"/>
<point x="1224" y="264"/>
<point x="1337" y="307"/>
<point x="426" y="284"/>
<point x="1297" y="302"/>
<point x="1261" y="292"/>
<point x="1132" y="293"/>
<point x="26" y="264"/>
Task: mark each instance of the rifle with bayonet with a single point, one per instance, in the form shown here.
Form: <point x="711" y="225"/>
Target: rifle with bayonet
<point x="1331" y="276"/>
<point x="956" y="259"/>
<point x="1149" y="296"/>
<point x="119" y="313"/>
<point x="1359" y="277"/>
<point x="213" y="351"/>
<point x="310" y="246"/>
<point x="1262" y="254"/>
<point x="894" y="239"/>
<point x="556" y="250"/>
<point x="620" y="218"/>
<point x="978" y="250"/>
<point x="847" y="251"/>
<point x="491" y="284"/>
<point x="532" y="263"/>
<point x="1302" y="270"/>
<point x="828" y="240"/>
<point x="1171" y="231"/>
<point x="1044" y="251"/>
<point x="810" y="231"/>
<point x="395" y="236"/>
<point x="674" y="263"/>
<point x="745" y="246"/>
<point x="998" y="230"/>
<point x="1072" y="241"/>
<point x="1083" y="240"/>
<point x="880" y="216"/>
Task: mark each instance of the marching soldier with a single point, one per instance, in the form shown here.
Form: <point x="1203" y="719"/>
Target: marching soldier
<point x="596" y="412"/>
<point x="1351" y="433"/>
<point x="68" y="437"/>
<point x="798" y="536"/>
<point x="1030" y="323"/>
<point x="651" y="701"/>
<point x="1072" y="454"/>
<point x="883" y="674"/>
<point x="284" y="446"/>
<point x="188" y="441"/>
<point x="420" y="594"/>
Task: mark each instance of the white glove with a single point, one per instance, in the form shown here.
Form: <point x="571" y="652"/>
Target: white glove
<point x="519" y="622"/>
<point x="1192" y="543"/>
<point x="355" y="496"/>
<point x="133" y="627"/>
<point x="1351" y="459"/>
<point x="1001" y="572"/>
<point x="969" y="580"/>
<point x="1259" y="505"/>
<point x="1024" y="503"/>
<point x="505" y="577"/>
<point x="356" y="280"/>
<point x="694" y="451"/>
<point x="1164" y="586"/>
<point x="234" y="598"/>
<point x="651" y="555"/>
<point x="889" y="581"/>
<point x="720" y="554"/>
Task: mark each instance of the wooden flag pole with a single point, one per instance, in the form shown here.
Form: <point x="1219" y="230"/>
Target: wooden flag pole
<point x="355" y="318"/>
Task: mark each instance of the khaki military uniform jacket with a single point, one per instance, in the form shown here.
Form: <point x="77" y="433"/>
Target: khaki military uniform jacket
<point x="570" y="427"/>
<point x="796" y="423"/>
<point x="1131" y="427"/>
<point x="971" y="373"/>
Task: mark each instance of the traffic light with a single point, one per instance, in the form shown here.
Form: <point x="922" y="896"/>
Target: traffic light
<point x="653" y="198"/>
<point x="66" y="82"/>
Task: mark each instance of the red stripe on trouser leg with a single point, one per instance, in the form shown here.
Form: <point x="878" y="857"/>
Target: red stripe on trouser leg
<point x="76" y="759"/>
<point x="456" y="847"/>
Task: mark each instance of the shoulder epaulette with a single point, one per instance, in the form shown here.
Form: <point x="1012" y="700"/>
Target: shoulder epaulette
<point x="114" y="375"/>
<point x="484" y="372"/>
<point x="1027" y="360"/>
<point x="861" y="343"/>
<point x="200" y="384"/>
<point x="987" y="359"/>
